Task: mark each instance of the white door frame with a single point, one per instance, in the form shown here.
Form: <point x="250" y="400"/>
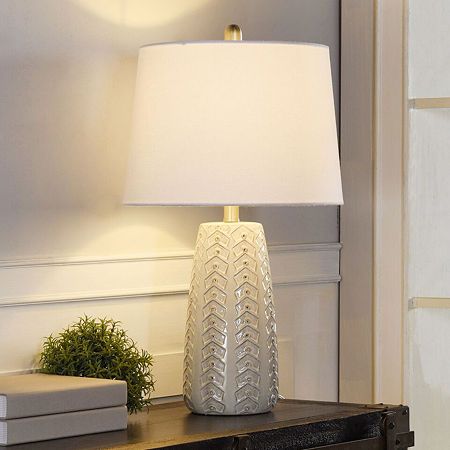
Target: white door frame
<point x="373" y="105"/>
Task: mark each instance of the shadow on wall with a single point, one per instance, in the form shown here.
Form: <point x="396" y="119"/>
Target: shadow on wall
<point x="67" y="80"/>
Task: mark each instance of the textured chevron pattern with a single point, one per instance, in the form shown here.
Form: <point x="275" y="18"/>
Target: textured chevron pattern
<point x="247" y="321"/>
<point x="214" y="326"/>
<point x="230" y="364"/>
<point x="269" y="314"/>
<point x="190" y="333"/>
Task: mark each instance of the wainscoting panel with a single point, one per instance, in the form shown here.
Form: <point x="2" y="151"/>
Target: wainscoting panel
<point x="148" y="295"/>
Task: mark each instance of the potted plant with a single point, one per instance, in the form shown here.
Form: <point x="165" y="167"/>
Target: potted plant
<point x="100" y="348"/>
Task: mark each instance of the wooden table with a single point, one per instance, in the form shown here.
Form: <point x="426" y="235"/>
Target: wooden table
<point x="293" y="424"/>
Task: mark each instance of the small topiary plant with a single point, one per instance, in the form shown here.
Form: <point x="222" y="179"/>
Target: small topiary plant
<point x="100" y="348"/>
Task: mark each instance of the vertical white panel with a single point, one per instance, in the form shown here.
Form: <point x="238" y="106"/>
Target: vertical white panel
<point x="429" y="369"/>
<point x="309" y="316"/>
<point x="429" y="48"/>
<point x="388" y="296"/>
<point x="428" y="221"/>
<point x="428" y="389"/>
<point x="428" y="203"/>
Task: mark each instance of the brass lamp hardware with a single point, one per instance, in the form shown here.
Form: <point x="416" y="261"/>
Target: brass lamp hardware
<point x="233" y="32"/>
<point x="231" y="213"/>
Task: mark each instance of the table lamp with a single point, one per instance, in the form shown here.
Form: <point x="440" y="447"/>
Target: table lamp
<point x="232" y="123"/>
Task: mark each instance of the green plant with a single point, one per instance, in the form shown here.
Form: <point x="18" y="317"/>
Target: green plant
<point x="100" y="348"/>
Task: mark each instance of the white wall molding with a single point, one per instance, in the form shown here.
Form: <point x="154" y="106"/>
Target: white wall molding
<point x="373" y="103"/>
<point x="357" y="214"/>
<point x="49" y="261"/>
<point x="388" y="238"/>
<point x="173" y="255"/>
<point x="82" y="279"/>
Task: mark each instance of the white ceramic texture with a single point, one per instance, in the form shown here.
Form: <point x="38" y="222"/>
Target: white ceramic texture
<point x="231" y="356"/>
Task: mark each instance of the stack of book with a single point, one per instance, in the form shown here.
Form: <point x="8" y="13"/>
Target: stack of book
<point x="37" y="407"/>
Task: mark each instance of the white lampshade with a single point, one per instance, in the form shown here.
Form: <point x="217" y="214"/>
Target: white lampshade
<point x="234" y="123"/>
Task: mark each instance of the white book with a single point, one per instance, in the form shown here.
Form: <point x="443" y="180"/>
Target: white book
<point x="55" y="426"/>
<point x="39" y="394"/>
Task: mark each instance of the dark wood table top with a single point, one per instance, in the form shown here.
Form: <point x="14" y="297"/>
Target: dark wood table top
<point x="172" y="424"/>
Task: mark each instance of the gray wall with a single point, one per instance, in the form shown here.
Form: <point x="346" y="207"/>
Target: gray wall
<point x="67" y="245"/>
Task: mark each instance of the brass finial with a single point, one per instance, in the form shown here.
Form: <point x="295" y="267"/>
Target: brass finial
<point x="233" y="32"/>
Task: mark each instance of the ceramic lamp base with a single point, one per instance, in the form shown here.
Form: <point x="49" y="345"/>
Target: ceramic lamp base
<point x="231" y="358"/>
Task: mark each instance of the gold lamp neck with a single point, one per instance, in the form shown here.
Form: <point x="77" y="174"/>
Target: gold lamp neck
<point x="233" y="32"/>
<point x="231" y="213"/>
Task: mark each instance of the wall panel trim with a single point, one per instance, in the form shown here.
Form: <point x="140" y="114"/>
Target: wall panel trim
<point x="429" y="103"/>
<point x="172" y="255"/>
<point x="372" y="143"/>
<point x="88" y="279"/>
<point x="83" y="260"/>
<point x="429" y="302"/>
<point x="357" y="214"/>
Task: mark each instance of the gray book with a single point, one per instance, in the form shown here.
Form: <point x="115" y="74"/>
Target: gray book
<point x="39" y="394"/>
<point x="55" y="426"/>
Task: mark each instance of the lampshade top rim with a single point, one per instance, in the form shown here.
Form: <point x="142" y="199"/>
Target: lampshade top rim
<point x="216" y="42"/>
